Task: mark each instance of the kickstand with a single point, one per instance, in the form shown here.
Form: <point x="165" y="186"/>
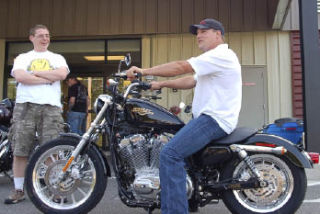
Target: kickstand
<point x="150" y="210"/>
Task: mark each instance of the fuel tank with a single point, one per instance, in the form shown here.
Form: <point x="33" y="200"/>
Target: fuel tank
<point x="147" y="114"/>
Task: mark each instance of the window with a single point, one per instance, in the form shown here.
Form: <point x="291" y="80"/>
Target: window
<point x="87" y="58"/>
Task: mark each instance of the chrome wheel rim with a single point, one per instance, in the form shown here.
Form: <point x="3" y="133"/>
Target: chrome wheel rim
<point x="72" y="191"/>
<point x="278" y="191"/>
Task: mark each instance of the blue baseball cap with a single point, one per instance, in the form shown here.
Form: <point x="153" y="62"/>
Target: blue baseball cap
<point x="207" y="24"/>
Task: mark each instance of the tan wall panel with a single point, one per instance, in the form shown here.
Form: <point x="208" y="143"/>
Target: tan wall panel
<point x="260" y="52"/>
<point x="2" y="59"/>
<point x="247" y="50"/>
<point x="257" y="48"/>
<point x="285" y="74"/>
<point x="174" y="53"/>
<point x="161" y="57"/>
<point x="273" y="75"/>
<point x="234" y="41"/>
<point x="146" y="52"/>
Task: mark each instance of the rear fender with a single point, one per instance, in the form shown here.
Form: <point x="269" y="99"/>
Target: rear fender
<point x="299" y="158"/>
<point x="99" y="153"/>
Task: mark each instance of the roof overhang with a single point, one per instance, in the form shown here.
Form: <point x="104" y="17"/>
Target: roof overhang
<point x="281" y="13"/>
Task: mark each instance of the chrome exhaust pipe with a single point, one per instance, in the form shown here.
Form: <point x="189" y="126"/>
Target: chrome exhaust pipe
<point x="280" y="150"/>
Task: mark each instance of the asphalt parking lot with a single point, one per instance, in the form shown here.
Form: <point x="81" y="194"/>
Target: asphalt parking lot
<point x="111" y="203"/>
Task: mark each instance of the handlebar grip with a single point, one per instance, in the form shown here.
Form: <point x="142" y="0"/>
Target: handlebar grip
<point x="124" y="76"/>
<point x="145" y="85"/>
<point x="138" y="75"/>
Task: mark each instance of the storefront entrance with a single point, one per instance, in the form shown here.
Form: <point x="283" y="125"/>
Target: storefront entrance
<point x="91" y="61"/>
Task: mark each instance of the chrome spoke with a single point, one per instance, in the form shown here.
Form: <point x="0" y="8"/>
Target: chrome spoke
<point x="72" y="191"/>
<point x="273" y="197"/>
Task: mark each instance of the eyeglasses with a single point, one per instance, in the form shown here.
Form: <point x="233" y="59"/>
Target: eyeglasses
<point x="40" y="36"/>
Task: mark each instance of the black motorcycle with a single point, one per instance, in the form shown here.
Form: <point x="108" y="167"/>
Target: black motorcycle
<point x="6" y="156"/>
<point x="251" y="172"/>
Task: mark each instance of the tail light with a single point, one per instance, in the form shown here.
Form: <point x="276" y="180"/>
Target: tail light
<point x="314" y="157"/>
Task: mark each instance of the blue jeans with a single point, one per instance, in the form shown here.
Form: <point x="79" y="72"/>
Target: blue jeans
<point x="77" y="122"/>
<point x="190" y="139"/>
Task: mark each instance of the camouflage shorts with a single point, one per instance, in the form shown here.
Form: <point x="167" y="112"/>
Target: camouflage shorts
<point x="29" y="119"/>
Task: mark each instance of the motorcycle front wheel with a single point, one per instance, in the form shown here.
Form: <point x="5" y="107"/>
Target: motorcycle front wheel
<point x="78" y="191"/>
<point x="284" y="193"/>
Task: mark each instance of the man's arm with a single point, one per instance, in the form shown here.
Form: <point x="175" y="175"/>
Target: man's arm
<point x="88" y="104"/>
<point x="180" y="83"/>
<point x="53" y="75"/>
<point x="170" y="69"/>
<point x="71" y="103"/>
<point x="23" y="77"/>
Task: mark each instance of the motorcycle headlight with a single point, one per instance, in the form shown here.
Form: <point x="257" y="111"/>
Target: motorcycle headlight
<point x="100" y="101"/>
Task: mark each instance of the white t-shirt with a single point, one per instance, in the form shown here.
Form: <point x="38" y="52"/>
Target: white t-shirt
<point x="218" y="91"/>
<point x="40" y="93"/>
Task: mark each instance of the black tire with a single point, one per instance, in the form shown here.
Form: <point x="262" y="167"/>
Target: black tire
<point x="290" y="200"/>
<point x="46" y="203"/>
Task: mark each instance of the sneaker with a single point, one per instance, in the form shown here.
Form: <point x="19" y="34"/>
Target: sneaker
<point x="15" y="197"/>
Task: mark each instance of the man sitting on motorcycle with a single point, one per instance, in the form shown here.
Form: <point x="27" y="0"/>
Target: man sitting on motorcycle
<point x="216" y="106"/>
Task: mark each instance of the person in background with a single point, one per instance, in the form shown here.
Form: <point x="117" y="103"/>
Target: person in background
<point x="38" y="108"/>
<point x="216" y="76"/>
<point x="78" y="103"/>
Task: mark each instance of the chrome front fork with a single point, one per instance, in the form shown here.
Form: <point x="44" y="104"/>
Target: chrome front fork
<point x="86" y="137"/>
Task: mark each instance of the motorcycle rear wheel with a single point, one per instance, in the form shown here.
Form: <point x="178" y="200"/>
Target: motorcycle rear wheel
<point x="284" y="194"/>
<point x="83" y="187"/>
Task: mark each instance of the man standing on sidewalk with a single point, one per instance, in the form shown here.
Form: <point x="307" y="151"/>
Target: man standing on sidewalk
<point x="38" y="107"/>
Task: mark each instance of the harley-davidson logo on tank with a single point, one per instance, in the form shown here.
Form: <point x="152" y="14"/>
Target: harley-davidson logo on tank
<point x="142" y="111"/>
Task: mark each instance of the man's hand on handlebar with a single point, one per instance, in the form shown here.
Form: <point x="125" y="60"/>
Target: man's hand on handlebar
<point x="133" y="71"/>
<point x="155" y="85"/>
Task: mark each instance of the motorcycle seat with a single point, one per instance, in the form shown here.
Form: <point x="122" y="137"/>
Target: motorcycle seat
<point x="238" y="135"/>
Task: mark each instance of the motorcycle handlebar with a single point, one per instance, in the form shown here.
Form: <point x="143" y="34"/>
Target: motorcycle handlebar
<point x="124" y="76"/>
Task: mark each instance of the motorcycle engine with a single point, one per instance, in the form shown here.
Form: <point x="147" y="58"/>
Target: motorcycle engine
<point x="142" y="154"/>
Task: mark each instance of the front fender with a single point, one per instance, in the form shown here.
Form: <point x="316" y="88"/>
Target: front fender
<point x="99" y="153"/>
<point x="299" y="158"/>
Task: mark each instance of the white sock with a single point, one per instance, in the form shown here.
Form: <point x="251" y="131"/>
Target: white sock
<point x="18" y="183"/>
